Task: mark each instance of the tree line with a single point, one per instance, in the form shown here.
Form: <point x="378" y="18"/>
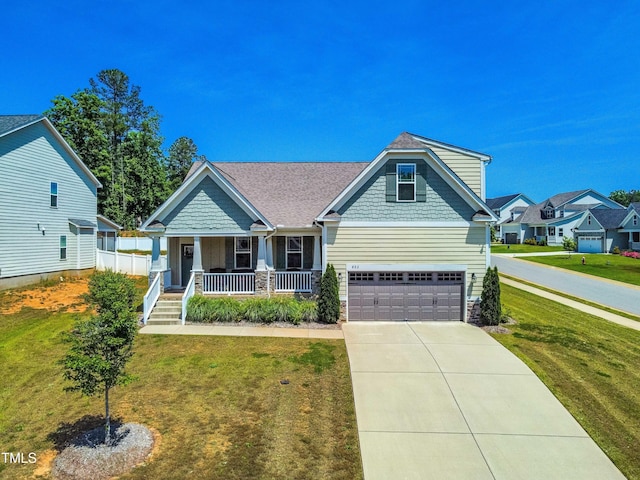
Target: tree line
<point x="118" y="137"/>
<point x="625" y="198"/>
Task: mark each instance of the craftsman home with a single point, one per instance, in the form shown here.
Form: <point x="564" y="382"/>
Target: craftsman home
<point x="408" y="233"/>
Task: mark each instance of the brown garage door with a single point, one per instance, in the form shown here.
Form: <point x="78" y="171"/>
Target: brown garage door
<point x="405" y="296"/>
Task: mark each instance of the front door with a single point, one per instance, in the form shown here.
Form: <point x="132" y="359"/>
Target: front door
<point x="187" y="263"/>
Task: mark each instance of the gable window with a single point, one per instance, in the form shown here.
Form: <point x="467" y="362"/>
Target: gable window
<point x="589" y="220"/>
<point x="406" y="182"/>
<point x="63" y="247"/>
<point x="294" y="252"/>
<point x="548" y="212"/>
<point x="561" y="232"/>
<point x="635" y="221"/>
<point x="53" y="192"/>
<point x="243" y="253"/>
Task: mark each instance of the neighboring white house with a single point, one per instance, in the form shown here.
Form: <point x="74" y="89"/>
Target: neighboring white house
<point x="508" y="208"/>
<point x="558" y="216"/>
<point x="107" y="234"/>
<point x="48" y="203"/>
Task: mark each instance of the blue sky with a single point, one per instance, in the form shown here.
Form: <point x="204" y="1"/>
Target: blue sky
<point x="551" y="90"/>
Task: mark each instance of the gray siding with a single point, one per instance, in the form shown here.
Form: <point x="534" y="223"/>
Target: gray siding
<point x="30" y="159"/>
<point x="207" y="208"/>
<point x="370" y="202"/>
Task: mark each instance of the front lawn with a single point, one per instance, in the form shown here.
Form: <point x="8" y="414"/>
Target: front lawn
<point x="522" y="248"/>
<point x="613" y="267"/>
<point x="590" y="364"/>
<point x="217" y="403"/>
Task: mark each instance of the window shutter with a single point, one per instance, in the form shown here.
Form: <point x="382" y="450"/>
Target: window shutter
<point x="391" y="182"/>
<point x="281" y="253"/>
<point x="307" y="252"/>
<point x="254" y="252"/>
<point x="229" y="252"/>
<point x="421" y="181"/>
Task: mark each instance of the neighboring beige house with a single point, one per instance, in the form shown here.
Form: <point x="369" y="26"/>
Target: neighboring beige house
<point x="408" y="233"/>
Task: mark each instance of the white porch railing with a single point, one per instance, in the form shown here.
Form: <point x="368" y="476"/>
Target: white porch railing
<point x="293" y="282"/>
<point x="229" y="283"/>
<point x="188" y="293"/>
<point x="150" y="298"/>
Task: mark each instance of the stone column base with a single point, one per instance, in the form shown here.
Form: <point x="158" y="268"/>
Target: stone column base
<point x="316" y="276"/>
<point x="198" y="282"/>
<point x="473" y="311"/>
<point x="152" y="276"/>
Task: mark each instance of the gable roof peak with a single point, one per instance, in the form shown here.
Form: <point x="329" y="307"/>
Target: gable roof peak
<point x="406" y="141"/>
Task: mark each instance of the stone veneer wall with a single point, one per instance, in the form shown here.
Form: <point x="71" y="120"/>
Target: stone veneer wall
<point x="473" y="311"/>
<point x="263" y="279"/>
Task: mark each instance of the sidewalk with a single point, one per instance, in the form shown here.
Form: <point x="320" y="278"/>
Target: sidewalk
<point x="243" y="331"/>
<point x="612" y="317"/>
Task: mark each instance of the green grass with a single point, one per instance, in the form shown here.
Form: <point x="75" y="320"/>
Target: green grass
<point x="590" y="364"/>
<point x="217" y="402"/>
<point x="613" y="267"/>
<point x="522" y="248"/>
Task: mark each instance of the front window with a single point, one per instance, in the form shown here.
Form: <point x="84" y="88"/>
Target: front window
<point x="406" y="182"/>
<point x="63" y="247"/>
<point x="53" y="192"/>
<point x="243" y="253"/>
<point x="635" y="237"/>
<point x="552" y="231"/>
<point x="561" y="232"/>
<point x="294" y="252"/>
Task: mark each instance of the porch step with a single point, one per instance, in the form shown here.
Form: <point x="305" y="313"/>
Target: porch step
<point x="166" y="312"/>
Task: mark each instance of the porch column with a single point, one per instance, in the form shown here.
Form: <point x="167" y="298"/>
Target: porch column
<point x="197" y="269"/>
<point x="156" y="264"/>
<point x="316" y="269"/>
<point x="261" y="264"/>
<point x="269" y="252"/>
<point x="317" y="263"/>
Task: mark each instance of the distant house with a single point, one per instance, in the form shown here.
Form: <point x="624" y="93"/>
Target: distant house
<point x="508" y="209"/>
<point x="107" y="234"/>
<point x="407" y="233"/>
<point x="602" y="230"/>
<point x="558" y="216"/>
<point x="48" y="203"/>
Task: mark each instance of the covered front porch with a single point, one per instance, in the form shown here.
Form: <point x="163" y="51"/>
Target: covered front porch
<point x="242" y="264"/>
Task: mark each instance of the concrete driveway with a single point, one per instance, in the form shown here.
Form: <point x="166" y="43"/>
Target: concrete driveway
<point x="445" y="400"/>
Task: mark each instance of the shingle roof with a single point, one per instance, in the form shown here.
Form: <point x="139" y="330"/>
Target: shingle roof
<point x="562" y="198"/>
<point x="609" y="218"/>
<point x="9" y="123"/>
<point x="406" y="141"/>
<point x="635" y="206"/>
<point x="289" y="194"/>
<point x="498" y="202"/>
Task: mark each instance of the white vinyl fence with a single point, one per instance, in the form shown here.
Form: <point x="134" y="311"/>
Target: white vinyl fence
<point x="139" y="243"/>
<point x="126" y="262"/>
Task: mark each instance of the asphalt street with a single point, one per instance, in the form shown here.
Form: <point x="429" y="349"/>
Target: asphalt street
<point x="604" y="292"/>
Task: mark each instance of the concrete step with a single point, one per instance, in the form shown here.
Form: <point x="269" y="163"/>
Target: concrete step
<point x="163" y="321"/>
<point x="169" y="309"/>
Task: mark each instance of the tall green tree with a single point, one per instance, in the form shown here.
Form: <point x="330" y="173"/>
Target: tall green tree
<point x="625" y="198"/>
<point x="101" y="346"/>
<point x="118" y="136"/>
<point x="182" y="153"/>
<point x="329" y="296"/>
<point x="490" y="306"/>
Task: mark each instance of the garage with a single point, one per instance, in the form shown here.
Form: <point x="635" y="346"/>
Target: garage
<point x="590" y="244"/>
<point x="405" y="296"/>
<point x="511" y="238"/>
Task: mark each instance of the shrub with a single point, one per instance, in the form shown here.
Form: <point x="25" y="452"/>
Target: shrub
<point x="530" y="241"/>
<point x="203" y="309"/>
<point x="616" y="250"/>
<point x="490" y="308"/>
<point x="329" y="298"/>
<point x="569" y="244"/>
<point x="308" y="311"/>
<point x="255" y="310"/>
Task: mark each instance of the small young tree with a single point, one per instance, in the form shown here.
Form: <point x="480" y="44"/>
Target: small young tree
<point x="329" y="298"/>
<point x="490" y="308"/>
<point x="569" y="244"/>
<point x="101" y="346"/>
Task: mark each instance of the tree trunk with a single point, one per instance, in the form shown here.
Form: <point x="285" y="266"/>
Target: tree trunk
<point x="107" y="424"/>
